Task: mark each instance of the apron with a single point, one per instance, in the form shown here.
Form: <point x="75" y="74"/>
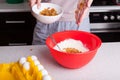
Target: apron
<point x="42" y="31"/>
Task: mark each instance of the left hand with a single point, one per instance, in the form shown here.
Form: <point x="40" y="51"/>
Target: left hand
<point x="82" y="10"/>
<point x="33" y="2"/>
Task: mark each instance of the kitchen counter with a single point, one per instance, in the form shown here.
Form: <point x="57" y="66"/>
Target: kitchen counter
<point x="104" y="66"/>
<point x="19" y="7"/>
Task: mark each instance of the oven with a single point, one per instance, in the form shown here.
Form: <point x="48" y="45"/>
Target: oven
<point x="105" y="20"/>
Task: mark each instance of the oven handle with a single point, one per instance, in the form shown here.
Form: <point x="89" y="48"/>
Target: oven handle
<point x="17" y="44"/>
<point x="103" y="31"/>
<point x="18" y="22"/>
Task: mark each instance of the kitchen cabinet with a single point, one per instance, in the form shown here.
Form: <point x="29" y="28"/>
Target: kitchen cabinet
<point x="16" y="28"/>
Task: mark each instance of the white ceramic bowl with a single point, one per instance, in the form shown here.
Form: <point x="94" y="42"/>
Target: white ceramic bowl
<point x="47" y="19"/>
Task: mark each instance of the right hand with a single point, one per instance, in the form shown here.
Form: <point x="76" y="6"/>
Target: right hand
<point x="82" y="9"/>
<point x="33" y="2"/>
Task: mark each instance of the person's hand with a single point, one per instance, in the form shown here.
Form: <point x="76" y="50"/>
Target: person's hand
<point x="82" y="10"/>
<point x="33" y="2"/>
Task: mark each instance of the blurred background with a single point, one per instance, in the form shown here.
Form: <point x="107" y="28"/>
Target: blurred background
<point x="17" y="23"/>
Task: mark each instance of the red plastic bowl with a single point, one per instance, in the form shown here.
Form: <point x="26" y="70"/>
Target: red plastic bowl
<point x="74" y="60"/>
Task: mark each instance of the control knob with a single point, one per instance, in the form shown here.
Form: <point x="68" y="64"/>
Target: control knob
<point x="105" y="17"/>
<point x="118" y="17"/>
<point x="112" y="17"/>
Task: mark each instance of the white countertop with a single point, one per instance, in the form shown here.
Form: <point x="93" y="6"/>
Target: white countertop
<point x="104" y="66"/>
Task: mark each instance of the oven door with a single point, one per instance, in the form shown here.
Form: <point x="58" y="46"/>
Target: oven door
<point x="106" y="25"/>
<point x="108" y="32"/>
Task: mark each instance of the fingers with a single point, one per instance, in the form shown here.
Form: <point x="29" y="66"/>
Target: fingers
<point x="80" y="9"/>
<point x="79" y="13"/>
<point x="82" y="16"/>
<point x="80" y="4"/>
<point x="33" y="2"/>
<point x="77" y="16"/>
<point x="89" y="3"/>
<point x="38" y="3"/>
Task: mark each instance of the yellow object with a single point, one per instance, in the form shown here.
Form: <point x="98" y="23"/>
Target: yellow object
<point x="15" y="71"/>
<point x="5" y="73"/>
